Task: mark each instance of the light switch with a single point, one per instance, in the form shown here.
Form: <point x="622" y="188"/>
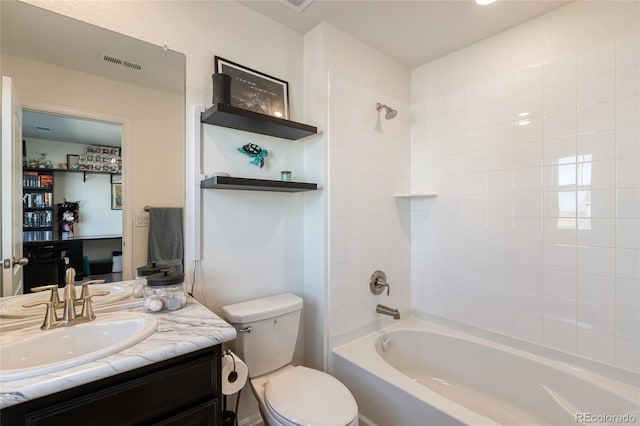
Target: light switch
<point x="142" y="219"/>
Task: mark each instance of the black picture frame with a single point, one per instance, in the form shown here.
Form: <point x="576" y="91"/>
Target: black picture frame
<point x="255" y="91"/>
<point x="73" y="162"/>
<point x="116" y="196"/>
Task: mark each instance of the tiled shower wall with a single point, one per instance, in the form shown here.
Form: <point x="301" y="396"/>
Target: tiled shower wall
<point x="368" y="228"/>
<point x="536" y="229"/>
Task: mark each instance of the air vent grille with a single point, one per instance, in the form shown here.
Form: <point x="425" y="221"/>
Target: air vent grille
<point x="112" y="59"/>
<point x="297" y="5"/>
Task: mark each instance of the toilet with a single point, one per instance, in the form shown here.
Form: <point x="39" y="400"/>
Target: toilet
<point x="287" y="395"/>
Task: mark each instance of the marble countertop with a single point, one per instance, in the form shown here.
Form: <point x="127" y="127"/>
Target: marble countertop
<point x="179" y="332"/>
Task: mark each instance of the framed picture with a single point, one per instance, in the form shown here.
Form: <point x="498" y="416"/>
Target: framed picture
<point x="73" y="162"/>
<point x="116" y="196"/>
<point x="255" y="91"/>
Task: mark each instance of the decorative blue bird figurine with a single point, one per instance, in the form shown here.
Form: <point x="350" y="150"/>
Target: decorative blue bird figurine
<point x="254" y="151"/>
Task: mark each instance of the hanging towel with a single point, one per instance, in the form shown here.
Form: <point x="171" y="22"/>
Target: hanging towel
<point x="166" y="243"/>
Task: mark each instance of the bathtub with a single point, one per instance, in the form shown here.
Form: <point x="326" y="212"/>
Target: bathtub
<point x="418" y="373"/>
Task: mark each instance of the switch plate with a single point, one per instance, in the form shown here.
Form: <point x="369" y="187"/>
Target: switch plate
<point x="142" y="219"/>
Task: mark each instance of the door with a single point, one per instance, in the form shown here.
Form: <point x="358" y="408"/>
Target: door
<point x="12" y="260"/>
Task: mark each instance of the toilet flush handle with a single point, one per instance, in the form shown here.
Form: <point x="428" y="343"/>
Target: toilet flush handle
<point x="246" y="329"/>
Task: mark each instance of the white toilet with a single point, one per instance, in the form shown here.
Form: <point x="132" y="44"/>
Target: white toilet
<point x="287" y="395"/>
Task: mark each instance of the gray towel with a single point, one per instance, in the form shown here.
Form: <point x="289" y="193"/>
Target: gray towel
<point x="166" y="243"/>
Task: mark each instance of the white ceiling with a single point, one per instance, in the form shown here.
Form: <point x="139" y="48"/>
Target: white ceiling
<point x="38" y="125"/>
<point x="413" y="32"/>
<point x="41" y="35"/>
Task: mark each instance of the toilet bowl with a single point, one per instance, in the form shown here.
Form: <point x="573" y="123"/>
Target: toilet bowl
<point x="287" y="395"/>
<point x="295" y="396"/>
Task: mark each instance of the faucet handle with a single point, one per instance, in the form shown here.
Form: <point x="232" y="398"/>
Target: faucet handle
<point x="87" y="307"/>
<point x="378" y="282"/>
<point x="50" y="317"/>
<point x="54" y="298"/>
<point x="85" y="287"/>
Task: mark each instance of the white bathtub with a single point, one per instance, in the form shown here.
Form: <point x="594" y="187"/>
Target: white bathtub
<point x="421" y="373"/>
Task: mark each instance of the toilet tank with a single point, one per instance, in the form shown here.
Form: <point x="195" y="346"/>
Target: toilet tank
<point x="273" y="323"/>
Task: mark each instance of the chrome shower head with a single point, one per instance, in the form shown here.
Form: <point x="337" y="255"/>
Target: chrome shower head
<point x="390" y="112"/>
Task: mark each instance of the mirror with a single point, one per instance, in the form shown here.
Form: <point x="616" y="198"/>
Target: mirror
<point x="63" y="67"/>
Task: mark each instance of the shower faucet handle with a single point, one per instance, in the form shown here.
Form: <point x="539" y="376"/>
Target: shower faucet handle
<point x="378" y="282"/>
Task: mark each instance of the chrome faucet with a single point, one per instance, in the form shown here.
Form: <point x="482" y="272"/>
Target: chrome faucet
<point x="385" y="310"/>
<point x="69" y="316"/>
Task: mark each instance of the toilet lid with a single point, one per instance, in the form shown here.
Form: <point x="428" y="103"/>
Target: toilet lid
<point x="310" y="397"/>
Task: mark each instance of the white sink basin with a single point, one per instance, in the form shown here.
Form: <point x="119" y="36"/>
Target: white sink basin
<point x="12" y="307"/>
<point x="31" y="351"/>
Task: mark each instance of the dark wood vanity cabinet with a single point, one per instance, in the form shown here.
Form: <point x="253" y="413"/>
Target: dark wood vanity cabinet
<point x="184" y="391"/>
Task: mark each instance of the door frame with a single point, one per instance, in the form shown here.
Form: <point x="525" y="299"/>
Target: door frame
<point x="127" y="213"/>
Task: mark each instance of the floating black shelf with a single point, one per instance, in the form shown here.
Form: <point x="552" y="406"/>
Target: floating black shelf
<point x="246" y="184"/>
<point x="35" y="209"/>
<point x="241" y="119"/>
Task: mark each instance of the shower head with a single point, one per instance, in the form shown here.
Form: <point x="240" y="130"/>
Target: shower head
<point x="391" y="113"/>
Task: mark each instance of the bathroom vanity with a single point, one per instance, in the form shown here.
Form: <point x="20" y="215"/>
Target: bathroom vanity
<point x="170" y="378"/>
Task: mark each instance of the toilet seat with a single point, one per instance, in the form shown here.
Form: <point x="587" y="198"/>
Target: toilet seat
<point x="303" y="396"/>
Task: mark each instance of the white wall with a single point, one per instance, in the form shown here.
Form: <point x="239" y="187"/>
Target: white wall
<point x="531" y="139"/>
<point x="251" y="242"/>
<point x="96" y="216"/>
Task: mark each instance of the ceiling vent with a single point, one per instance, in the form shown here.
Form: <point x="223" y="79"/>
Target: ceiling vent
<point x="297" y="5"/>
<point x="112" y="59"/>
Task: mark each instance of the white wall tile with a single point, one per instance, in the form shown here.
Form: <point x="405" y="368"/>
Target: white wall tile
<point x="597" y="317"/>
<point x="627" y="293"/>
<point x="539" y="202"/>
<point x="500" y="111"/>
<point x="597" y="174"/>
<point x="558" y="71"/>
<point x="528" y="130"/>
<point x="628" y="112"/>
<point x="500" y="135"/>
<point x="527" y="204"/>
<point x="628" y="142"/>
<point x="628" y="264"/>
<point x="597" y="117"/>
<point x="597" y="60"/>
<point x="528" y="328"/>
<point x="628" y="324"/>
<point x="628" y="203"/>
<point x="628" y="354"/>
<point x="500" y="88"/>
<point x="560" y="98"/>
<point x="560" y="336"/>
<point x="628" y="173"/>
<point x="628" y="51"/>
<point x="597" y="203"/>
<point x="528" y="80"/>
<point x="596" y="289"/>
<point x="559" y="124"/>
<point x="597" y="146"/>
<point x="527" y="179"/>
<point x="527" y="105"/>
<point x="560" y="150"/>
<point x="560" y="284"/>
<point x="560" y="257"/>
<point x="528" y="155"/>
<point x="597" y="232"/>
<point x="597" y="88"/>
<point x="596" y="346"/>
<point x="628" y="82"/>
<point x="558" y="230"/>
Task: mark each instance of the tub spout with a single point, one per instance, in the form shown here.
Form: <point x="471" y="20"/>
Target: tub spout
<point x="385" y="310"/>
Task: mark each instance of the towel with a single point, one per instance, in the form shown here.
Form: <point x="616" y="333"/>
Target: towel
<point x="166" y="243"/>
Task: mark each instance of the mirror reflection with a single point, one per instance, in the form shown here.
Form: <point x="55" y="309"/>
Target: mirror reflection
<point x="100" y="112"/>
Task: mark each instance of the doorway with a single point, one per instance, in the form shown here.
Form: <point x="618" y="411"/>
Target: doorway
<point x="72" y="197"/>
